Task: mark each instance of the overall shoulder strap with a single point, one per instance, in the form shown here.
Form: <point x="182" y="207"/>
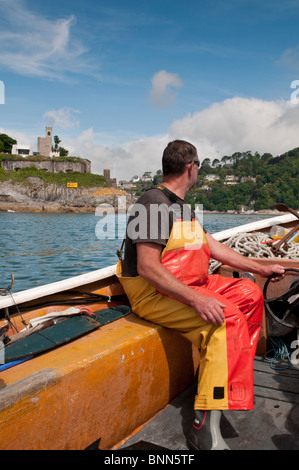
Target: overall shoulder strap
<point x="171" y="196"/>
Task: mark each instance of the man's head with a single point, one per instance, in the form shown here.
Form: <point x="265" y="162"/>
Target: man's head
<point x="176" y="156"/>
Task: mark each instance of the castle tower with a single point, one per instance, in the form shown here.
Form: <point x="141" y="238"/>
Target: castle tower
<point x="106" y="174"/>
<point x="44" y="144"/>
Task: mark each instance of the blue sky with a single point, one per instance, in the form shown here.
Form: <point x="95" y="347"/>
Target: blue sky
<point x="118" y="80"/>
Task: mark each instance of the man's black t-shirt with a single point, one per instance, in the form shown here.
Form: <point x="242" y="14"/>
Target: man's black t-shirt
<point x="151" y="220"/>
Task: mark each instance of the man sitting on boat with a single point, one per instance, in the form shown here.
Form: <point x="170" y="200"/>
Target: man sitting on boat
<point x="165" y="276"/>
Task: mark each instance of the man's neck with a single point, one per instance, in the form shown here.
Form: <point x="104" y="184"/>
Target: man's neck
<point x="176" y="186"/>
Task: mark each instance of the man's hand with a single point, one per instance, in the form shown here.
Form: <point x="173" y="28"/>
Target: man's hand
<point x="227" y="255"/>
<point x="149" y="266"/>
<point x="209" y="309"/>
<point x="268" y="270"/>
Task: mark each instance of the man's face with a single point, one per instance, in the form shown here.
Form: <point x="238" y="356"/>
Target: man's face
<point x="194" y="169"/>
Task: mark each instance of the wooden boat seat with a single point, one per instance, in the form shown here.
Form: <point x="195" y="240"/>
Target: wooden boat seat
<point x="99" y="388"/>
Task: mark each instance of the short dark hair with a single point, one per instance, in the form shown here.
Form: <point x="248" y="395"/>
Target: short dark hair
<point x="176" y="155"/>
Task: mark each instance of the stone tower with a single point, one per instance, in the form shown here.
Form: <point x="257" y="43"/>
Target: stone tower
<point x="44" y="144"/>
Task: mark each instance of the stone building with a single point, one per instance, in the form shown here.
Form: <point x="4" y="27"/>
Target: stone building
<point x="44" y="144"/>
<point x="49" y="164"/>
<point x="111" y="181"/>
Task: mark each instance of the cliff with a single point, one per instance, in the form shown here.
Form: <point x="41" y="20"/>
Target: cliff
<point x="35" y="195"/>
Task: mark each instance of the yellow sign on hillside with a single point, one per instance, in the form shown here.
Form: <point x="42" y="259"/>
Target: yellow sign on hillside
<point x="72" y="185"/>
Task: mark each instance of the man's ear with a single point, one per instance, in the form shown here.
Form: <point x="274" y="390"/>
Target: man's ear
<point x="189" y="169"/>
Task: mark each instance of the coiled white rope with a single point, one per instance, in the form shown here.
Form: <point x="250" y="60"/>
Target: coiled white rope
<point x="254" y="245"/>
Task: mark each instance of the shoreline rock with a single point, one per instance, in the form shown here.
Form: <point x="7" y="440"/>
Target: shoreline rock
<point x="109" y="208"/>
<point x="36" y="196"/>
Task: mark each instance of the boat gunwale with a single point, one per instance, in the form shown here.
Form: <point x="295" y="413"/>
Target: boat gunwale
<point x="35" y="293"/>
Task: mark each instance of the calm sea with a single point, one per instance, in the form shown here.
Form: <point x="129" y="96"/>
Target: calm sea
<point x="40" y="248"/>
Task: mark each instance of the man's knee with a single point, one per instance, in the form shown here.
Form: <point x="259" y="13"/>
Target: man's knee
<point x="252" y="289"/>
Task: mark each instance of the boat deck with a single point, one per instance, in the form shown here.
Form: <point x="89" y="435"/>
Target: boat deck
<point x="272" y="425"/>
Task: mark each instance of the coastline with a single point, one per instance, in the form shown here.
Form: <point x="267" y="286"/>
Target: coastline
<point x="250" y="212"/>
<point x="36" y="196"/>
<point x="55" y="207"/>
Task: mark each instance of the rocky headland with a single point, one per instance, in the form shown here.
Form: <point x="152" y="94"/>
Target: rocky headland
<point x="35" y="195"/>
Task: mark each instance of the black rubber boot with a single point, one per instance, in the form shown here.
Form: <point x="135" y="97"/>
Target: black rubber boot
<point x="205" y="433"/>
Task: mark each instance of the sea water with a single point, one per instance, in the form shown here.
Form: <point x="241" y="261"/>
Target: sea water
<point x="40" y="248"/>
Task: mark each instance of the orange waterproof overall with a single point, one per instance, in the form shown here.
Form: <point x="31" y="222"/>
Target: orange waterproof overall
<point x="225" y="378"/>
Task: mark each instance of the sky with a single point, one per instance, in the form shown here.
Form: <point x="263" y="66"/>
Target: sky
<point x="119" y="80"/>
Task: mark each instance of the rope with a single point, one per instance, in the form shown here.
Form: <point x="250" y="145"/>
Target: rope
<point x="255" y="245"/>
<point x="279" y="352"/>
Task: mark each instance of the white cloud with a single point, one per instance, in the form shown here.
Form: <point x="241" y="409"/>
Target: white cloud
<point x="162" y="83"/>
<point x="234" y="125"/>
<point x="64" y="117"/>
<point x="237" y="124"/>
<point x="125" y="160"/>
<point x="32" y="45"/>
<point x="241" y="124"/>
<point x="21" y="137"/>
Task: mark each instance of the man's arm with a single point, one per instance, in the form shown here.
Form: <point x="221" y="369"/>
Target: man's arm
<point x="227" y="255"/>
<point x="210" y="309"/>
<point x="150" y="268"/>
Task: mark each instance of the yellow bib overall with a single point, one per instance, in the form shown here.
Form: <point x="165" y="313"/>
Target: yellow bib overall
<point x="225" y="378"/>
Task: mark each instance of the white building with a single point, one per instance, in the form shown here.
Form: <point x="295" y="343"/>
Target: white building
<point x="231" y="178"/>
<point x="20" y="149"/>
<point x="212" y="177"/>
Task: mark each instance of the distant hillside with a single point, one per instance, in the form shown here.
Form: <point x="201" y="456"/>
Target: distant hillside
<point x="243" y="182"/>
<point x="248" y="182"/>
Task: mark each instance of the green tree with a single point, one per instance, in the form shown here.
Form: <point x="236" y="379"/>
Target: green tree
<point x="158" y="177"/>
<point x="205" y="166"/>
<point x="56" y="142"/>
<point x="216" y="162"/>
<point x="6" y="143"/>
<point x="225" y="160"/>
<point x="62" y="151"/>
